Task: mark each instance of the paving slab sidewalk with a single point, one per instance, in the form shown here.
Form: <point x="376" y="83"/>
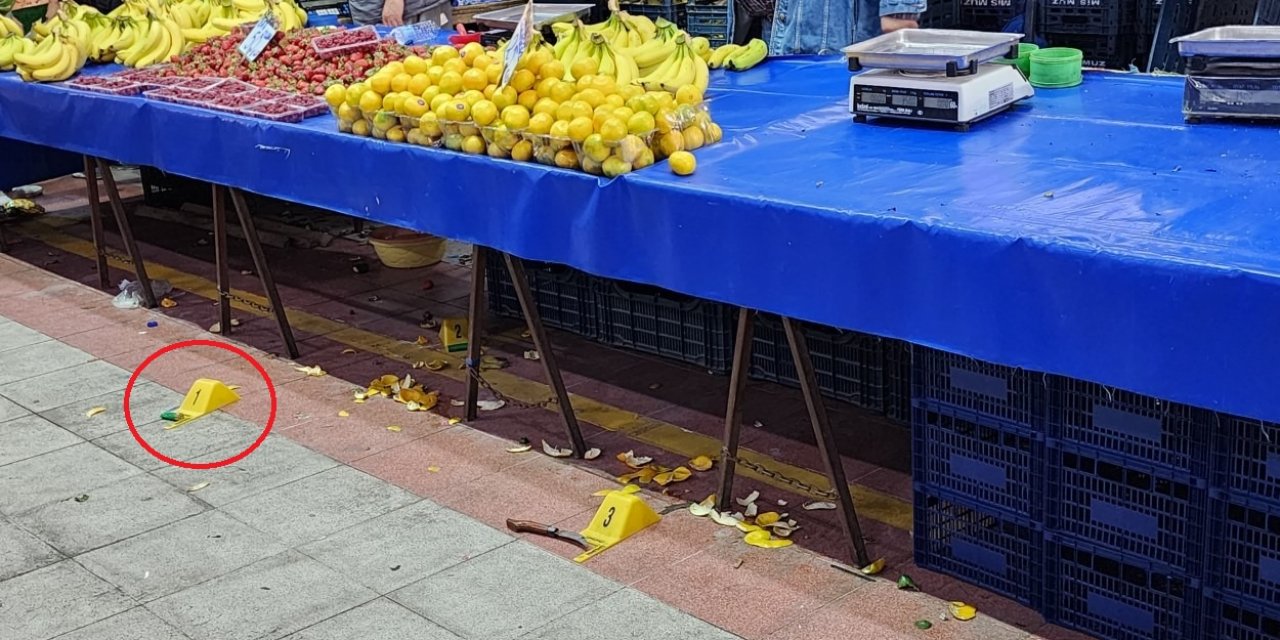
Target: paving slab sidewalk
<point x="337" y="527"/>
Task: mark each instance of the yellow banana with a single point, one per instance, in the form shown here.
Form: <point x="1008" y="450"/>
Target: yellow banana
<point x="701" y="76"/>
<point x="143" y="44"/>
<point x="10" y="25"/>
<point x="748" y="56"/>
<point x="250" y="6"/>
<point x="62" y="69"/>
<point x="43" y="55"/>
<point x="8" y="46"/>
<point x="153" y="54"/>
<point x="718" y="56"/>
<point x="176" y="41"/>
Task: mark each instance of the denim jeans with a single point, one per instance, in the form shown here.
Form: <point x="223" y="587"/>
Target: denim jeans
<point x="827" y="26"/>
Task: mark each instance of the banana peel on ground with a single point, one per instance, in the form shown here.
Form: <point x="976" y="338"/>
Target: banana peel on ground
<point x="20" y="208"/>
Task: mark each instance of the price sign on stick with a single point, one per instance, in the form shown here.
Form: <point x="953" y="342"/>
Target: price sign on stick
<point x="259" y="38"/>
<point x="520" y="40"/>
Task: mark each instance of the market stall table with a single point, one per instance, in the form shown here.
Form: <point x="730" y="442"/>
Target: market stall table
<point x="1087" y="233"/>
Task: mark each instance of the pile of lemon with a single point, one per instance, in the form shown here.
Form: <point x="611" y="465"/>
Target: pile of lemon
<point x="454" y="98"/>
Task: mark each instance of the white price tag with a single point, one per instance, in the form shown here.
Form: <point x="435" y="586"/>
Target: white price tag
<point x="259" y="38"/>
<point x="519" y="42"/>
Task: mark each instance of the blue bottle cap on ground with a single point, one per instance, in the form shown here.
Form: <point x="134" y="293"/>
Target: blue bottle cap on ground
<point x="152" y="324"/>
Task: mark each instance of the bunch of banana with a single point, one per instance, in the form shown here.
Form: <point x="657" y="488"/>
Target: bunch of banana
<point x="702" y="47"/>
<point x="617" y="31"/>
<point x="740" y="57"/>
<point x="611" y="62"/>
<point x="289" y="16"/>
<point x="685" y="67"/>
<point x="11" y="45"/>
<point x="54" y="59"/>
<point x="156" y="39"/>
<point x="658" y="49"/>
<point x="189" y="14"/>
<point x="10" y="26"/>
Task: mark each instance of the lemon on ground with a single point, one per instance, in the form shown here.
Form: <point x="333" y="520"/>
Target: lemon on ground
<point x="523" y="151"/>
<point x="516" y="117"/>
<point x="484" y="113"/>
<point x="682" y="163"/>
<point x="360" y="128"/>
<point x="413" y="65"/>
<point x="335" y="95"/>
<point x="580" y="128"/>
<point x="473" y="145"/>
<point x="539" y="123"/>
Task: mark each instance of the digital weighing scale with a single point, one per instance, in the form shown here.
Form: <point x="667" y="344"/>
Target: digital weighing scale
<point x="1232" y="72"/>
<point x="935" y="75"/>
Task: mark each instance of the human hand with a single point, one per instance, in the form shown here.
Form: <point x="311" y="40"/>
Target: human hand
<point x="393" y="13"/>
<point x="889" y="24"/>
<point x="52" y="9"/>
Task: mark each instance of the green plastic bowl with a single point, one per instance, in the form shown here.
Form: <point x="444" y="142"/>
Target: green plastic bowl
<point x="1024" y="56"/>
<point x="1056" y="67"/>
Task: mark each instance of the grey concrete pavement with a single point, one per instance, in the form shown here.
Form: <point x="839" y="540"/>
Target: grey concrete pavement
<point x="101" y="541"/>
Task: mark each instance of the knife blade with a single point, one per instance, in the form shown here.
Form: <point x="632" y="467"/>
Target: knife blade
<point x="537" y="528"/>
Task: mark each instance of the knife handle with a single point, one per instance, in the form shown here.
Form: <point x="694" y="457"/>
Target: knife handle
<point x="529" y="526"/>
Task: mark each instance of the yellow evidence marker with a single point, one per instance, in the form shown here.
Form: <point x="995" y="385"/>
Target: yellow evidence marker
<point x="621" y="515"/>
<point x="204" y="397"/>
<point x="453" y="334"/>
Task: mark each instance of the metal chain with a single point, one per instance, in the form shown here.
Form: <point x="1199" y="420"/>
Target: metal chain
<point x="474" y="372"/>
<point x="802" y="486"/>
<point x="248" y="303"/>
<point x="117" y="256"/>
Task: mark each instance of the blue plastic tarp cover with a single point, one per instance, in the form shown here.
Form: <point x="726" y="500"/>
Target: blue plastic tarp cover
<point x="1088" y="233"/>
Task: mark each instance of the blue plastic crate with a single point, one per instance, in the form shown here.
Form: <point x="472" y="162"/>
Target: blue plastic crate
<point x="849" y="365"/>
<point x="984" y="460"/>
<point x="666" y="9"/>
<point x="708" y="20"/>
<point x="1115" y="597"/>
<point x="992" y="15"/>
<point x="1141" y="427"/>
<point x="1089" y="17"/>
<point x="897" y="380"/>
<point x="566" y="297"/>
<point x="1127" y="505"/>
<point x="1232" y="618"/>
<point x="1010" y="394"/>
<point x="1248" y="458"/>
<point x="983" y="547"/>
<point x="668" y="324"/>
<point x="1244" y="556"/>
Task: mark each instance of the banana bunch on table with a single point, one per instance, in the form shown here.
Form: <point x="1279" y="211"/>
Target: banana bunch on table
<point x="55" y="58"/>
<point x="736" y="57"/>
<point x="225" y="16"/>
<point x="682" y="68"/>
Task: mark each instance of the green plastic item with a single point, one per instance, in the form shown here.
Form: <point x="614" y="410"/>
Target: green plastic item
<point x="1024" y="57"/>
<point x="1056" y="67"/>
<point x="171" y="415"/>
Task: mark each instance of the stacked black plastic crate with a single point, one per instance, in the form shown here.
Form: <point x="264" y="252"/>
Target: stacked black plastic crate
<point x="1243" y="570"/>
<point x="992" y="15"/>
<point x="978" y="466"/>
<point x="1126" y="512"/>
<point x="1105" y="30"/>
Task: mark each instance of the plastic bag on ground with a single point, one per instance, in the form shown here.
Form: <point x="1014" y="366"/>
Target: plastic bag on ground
<point x="130" y="296"/>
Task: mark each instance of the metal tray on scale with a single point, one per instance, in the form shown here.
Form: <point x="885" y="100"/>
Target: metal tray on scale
<point x="1231" y="42"/>
<point x="931" y="50"/>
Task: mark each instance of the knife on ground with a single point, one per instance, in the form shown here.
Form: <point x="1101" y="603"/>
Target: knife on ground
<point x="527" y="526"/>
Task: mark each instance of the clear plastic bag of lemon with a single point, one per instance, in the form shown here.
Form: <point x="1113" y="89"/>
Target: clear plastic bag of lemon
<point x="608" y="99"/>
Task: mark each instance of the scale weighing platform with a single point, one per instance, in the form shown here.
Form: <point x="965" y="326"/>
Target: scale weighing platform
<point x="1232" y="72"/>
<point x="935" y="75"/>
